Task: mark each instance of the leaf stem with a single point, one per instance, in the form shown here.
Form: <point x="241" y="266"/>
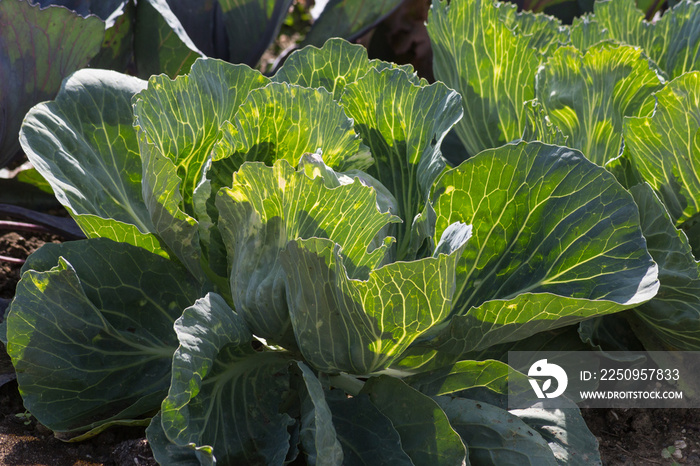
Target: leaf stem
<point x="397" y="373"/>
<point x="347" y="382"/>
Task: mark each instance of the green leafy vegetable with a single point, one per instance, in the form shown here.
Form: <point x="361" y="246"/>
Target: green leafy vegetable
<point x="361" y="326"/>
<point x="252" y="25"/>
<point x="495" y="436"/>
<point x="86" y="139"/>
<point x="672" y="42"/>
<point x="491" y="66"/>
<point x="118" y="18"/>
<point x="317" y="432"/>
<point x="211" y="408"/>
<point x="425" y="431"/>
<point x="333" y="66"/>
<point x="170" y="35"/>
<point x="161" y="44"/>
<point x="366" y="435"/>
<point x="665" y="150"/>
<point x="565" y="432"/>
<point x="302" y="121"/>
<point x="404" y="132"/>
<point x="305" y="280"/>
<point x="277" y="205"/>
<point x="544" y="254"/>
<point x="115" y="314"/>
<point x="672" y="316"/>
<point x="588" y="95"/>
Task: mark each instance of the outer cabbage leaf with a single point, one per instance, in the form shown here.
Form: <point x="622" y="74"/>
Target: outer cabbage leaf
<point x="283" y="121"/>
<point x="102" y="9"/>
<point x="176" y="32"/>
<point x="224" y="396"/>
<point x="423" y="357"/>
<point x="403" y="124"/>
<point x="566" y="432"/>
<point x="118" y="17"/>
<point x="492" y="67"/>
<point x="318" y="435"/>
<point x="426" y="434"/>
<point x="204" y="24"/>
<point x="240" y="31"/>
<point x="251" y="26"/>
<point x="673" y="41"/>
<point x="556" y="241"/>
<point x="38" y="48"/>
<point x="482" y="389"/>
<point x="673" y="316"/>
<point x="161" y="44"/>
<point x="665" y="148"/>
<point x="361" y="326"/>
<point x="462" y="375"/>
<point x="348" y="19"/>
<point x="76" y="134"/>
<point x="332" y="66"/>
<point x="267" y="207"/>
<point x="564" y="429"/>
<point x="493" y="435"/>
<point x="98" y="227"/>
<point x="84" y="145"/>
<point x="563" y="340"/>
<point x="466" y="377"/>
<point x="166" y="452"/>
<point x="587" y="96"/>
<point x="118" y="46"/>
<point x="367" y="436"/>
<point x="90" y="332"/>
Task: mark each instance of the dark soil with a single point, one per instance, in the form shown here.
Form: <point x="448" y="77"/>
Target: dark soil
<point x="23" y="441"/>
<point x="18" y="245"/>
<point x="635" y="437"/>
<point x="626" y="437"/>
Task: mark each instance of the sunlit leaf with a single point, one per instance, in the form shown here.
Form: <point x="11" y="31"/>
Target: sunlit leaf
<point x="588" y="95"/>
<point x="556" y="240"/>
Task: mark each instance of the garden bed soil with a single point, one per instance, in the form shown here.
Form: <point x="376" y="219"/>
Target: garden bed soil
<point x="627" y="437"/>
<point x="23" y="441"/>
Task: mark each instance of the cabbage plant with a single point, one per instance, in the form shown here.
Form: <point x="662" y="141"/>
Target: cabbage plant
<point x="284" y="269"/>
<point x="624" y="91"/>
<point x="581" y="80"/>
